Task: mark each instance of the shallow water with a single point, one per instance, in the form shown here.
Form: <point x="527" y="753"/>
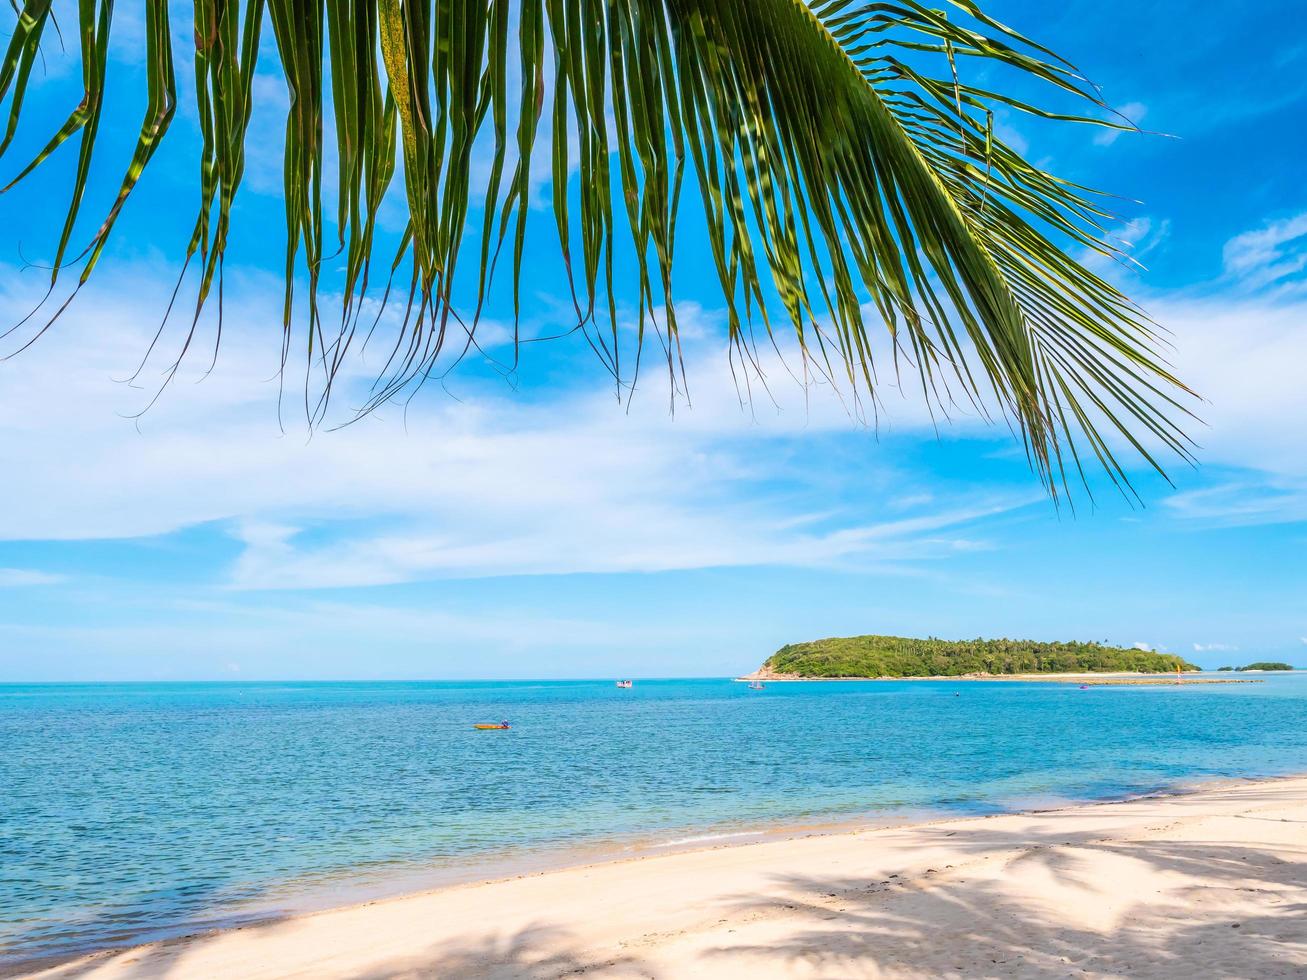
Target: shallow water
<point x="135" y="811"/>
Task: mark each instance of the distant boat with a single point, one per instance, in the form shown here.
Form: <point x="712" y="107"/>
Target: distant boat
<point x="755" y="685"/>
<point x="503" y="726"/>
<point x="625" y="684"/>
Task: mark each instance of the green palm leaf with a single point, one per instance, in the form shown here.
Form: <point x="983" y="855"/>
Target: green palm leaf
<point x="850" y="176"/>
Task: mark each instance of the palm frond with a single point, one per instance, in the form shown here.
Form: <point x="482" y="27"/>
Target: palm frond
<point x="850" y="177"/>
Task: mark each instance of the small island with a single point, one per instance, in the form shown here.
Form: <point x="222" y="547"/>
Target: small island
<point x="871" y="657"/>
<point x="1266" y="665"/>
<point x="905" y="658"/>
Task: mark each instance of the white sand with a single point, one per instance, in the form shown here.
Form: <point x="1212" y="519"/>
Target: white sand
<point x="1212" y="884"/>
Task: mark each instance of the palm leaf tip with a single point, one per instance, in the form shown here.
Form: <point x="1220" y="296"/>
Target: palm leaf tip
<point x="844" y="156"/>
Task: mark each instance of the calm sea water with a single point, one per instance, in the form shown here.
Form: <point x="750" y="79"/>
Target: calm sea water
<point x="135" y="811"/>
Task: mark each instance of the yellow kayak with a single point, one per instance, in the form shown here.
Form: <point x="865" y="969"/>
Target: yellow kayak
<point x="491" y="728"/>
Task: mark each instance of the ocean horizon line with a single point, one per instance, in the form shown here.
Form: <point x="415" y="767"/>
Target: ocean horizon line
<point x="236" y="681"/>
<point x="6" y="682"/>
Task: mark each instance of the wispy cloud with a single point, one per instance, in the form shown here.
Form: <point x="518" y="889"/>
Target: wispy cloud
<point x="1136" y="239"/>
<point x="1214" y="648"/>
<point x="1270" y="254"/>
<point x="487" y="484"/>
<point x="1242" y="502"/>
<point x="13" y="578"/>
<point x="1133" y="111"/>
<point x="1242" y="355"/>
<point x="639" y="536"/>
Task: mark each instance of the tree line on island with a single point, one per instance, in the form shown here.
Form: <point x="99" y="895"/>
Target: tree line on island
<point x="1261" y="665"/>
<point x="899" y="656"/>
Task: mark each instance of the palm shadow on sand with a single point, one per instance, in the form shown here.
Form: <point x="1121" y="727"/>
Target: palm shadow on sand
<point x="859" y="927"/>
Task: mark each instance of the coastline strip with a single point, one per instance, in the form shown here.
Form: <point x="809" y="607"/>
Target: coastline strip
<point x="1098" y="679"/>
<point x="1201" y="883"/>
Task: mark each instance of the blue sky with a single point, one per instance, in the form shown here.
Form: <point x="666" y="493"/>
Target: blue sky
<point x="538" y="529"/>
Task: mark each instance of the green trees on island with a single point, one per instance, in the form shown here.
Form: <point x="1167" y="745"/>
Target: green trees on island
<point x="897" y="656"/>
<point x="1265" y="665"/>
<point x="1262" y="665"/>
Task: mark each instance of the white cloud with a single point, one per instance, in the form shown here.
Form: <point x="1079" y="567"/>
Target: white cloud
<point x="1245" y="500"/>
<point x="1143" y="235"/>
<point x="1269" y="254"/>
<point x="499" y="484"/>
<point x="1242" y="357"/>
<point x="1133" y="111"/>
<point x="491" y="484"/>
<point x="1009" y="134"/>
<point x="1151" y="648"/>
<point x="1136" y="239"/>
<point x="12" y="578"/>
<point x="1214" y="648"/>
<point x="639" y="536"/>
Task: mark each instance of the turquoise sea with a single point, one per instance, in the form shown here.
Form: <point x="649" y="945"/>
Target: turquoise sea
<point x="130" y="812"/>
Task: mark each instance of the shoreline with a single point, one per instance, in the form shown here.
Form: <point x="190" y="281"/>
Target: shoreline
<point x="1092" y="678"/>
<point x="338" y="941"/>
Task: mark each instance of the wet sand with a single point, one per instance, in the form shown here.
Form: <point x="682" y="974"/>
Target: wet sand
<point x="1209" y="883"/>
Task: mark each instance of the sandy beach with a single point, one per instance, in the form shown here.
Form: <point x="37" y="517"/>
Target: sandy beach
<point x="1209" y="883"/>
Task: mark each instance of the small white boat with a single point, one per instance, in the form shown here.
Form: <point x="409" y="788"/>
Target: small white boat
<point x="625" y="684"/>
<point x="755" y="685"/>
